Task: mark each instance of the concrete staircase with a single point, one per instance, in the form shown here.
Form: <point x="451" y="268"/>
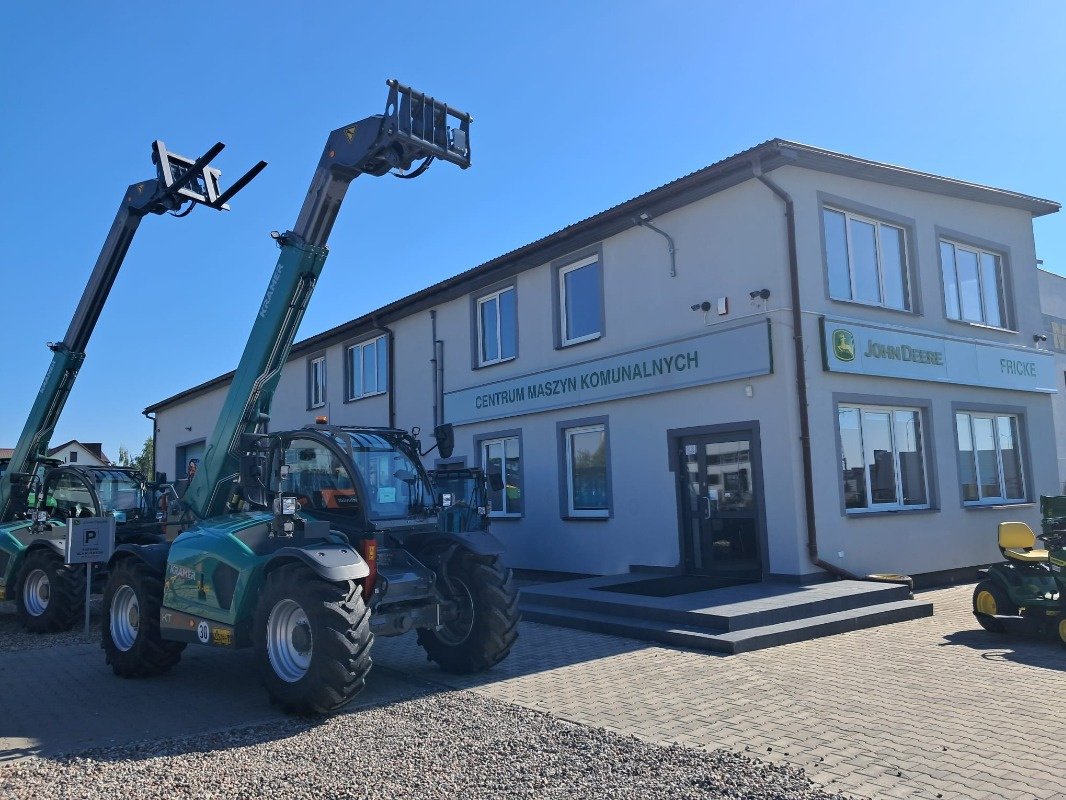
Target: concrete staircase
<point x="736" y="619"/>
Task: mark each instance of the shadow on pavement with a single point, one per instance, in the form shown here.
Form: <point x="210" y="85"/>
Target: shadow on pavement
<point x="1033" y="650"/>
<point x="64" y="699"/>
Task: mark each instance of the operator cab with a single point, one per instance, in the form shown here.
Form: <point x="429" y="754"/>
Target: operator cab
<point x="78" y="492"/>
<point x="355" y="478"/>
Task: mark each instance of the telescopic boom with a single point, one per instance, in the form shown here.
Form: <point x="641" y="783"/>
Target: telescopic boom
<point x="178" y="181"/>
<point x="414" y="127"/>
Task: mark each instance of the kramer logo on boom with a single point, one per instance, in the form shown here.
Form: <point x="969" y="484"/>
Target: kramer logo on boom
<point x="270" y="291"/>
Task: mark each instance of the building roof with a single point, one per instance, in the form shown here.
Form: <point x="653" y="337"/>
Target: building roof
<point x="735" y="169"/>
<point x="7" y="452"/>
<point x="95" y="449"/>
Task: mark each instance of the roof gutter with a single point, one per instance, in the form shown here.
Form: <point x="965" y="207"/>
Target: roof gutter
<point x="801" y="378"/>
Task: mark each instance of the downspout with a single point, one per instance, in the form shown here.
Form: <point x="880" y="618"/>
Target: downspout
<point x="433" y="361"/>
<point x="391" y="371"/>
<point x="152" y="419"/>
<point x="801" y="379"/>
<point x="645" y="221"/>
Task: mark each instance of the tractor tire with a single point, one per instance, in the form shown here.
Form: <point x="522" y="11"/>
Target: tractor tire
<point x="990" y="598"/>
<point x="487" y="625"/>
<point x="312" y="640"/>
<point x="133" y="597"/>
<point x="1061" y="629"/>
<point x="49" y="595"/>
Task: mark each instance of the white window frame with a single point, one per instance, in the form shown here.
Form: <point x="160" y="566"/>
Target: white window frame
<point x="999" y="500"/>
<point x="563" y="272"/>
<point x="905" y="267"/>
<point x="501" y="442"/>
<point x="569" y="433"/>
<point x="355" y="390"/>
<point x="1005" y="322"/>
<point x="318" y="388"/>
<point x="482" y="361"/>
<point x="899" y="505"/>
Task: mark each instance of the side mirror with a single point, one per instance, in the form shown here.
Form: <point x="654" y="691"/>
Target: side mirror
<point x="252" y="485"/>
<point x="445" y="436"/>
<point x="495" y="481"/>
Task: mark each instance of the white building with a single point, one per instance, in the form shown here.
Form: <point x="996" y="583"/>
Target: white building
<point x="84" y="454"/>
<point x="639" y="375"/>
<point x="1053" y="304"/>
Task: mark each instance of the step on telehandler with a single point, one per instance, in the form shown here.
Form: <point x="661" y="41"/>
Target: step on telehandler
<point x="303" y="544"/>
<point x="37" y="495"/>
<point x="1027" y="592"/>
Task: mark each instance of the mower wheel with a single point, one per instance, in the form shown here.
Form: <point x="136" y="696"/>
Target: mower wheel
<point x="49" y="595"/>
<point x="133" y="596"/>
<point x="486" y="626"/>
<point x="989" y="600"/>
<point x="312" y="640"/>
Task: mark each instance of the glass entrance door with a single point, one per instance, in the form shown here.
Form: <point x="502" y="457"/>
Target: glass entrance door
<point x="720" y="505"/>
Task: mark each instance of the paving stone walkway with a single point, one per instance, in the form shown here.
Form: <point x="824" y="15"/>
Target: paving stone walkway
<point x="933" y="708"/>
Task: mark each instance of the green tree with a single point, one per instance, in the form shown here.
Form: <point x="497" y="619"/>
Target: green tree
<point x="145" y="462"/>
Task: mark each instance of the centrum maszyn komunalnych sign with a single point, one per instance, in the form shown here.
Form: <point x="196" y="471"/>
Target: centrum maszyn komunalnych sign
<point x="900" y="353"/>
<point x="721" y="355"/>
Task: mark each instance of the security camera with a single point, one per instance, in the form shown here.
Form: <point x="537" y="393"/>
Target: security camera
<point x="704" y="306"/>
<point x="761" y="294"/>
<point x="1039" y="337"/>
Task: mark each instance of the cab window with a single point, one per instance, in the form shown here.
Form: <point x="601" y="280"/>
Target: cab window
<point x="318" y="478"/>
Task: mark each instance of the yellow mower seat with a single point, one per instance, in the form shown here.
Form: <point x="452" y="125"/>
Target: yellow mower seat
<point x="1018" y="543"/>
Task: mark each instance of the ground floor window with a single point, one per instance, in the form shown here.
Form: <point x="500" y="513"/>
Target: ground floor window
<point x="990" y="463"/>
<point x="587" y="485"/>
<point x="504" y="456"/>
<point x="882" y="458"/>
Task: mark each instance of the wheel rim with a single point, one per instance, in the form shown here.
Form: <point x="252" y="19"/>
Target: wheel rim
<point x="986" y="603"/>
<point x="289" y="640"/>
<point x="125" y="618"/>
<point x="36" y="592"/>
<point x="1062" y="631"/>
<point x="456" y="631"/>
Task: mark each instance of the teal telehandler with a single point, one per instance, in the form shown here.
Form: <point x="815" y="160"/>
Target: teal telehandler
<point x="304" y="544"/>
<point x="1028" y="590"/>
<point x="37" y="495"/>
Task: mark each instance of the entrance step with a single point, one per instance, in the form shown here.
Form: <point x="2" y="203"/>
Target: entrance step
<point x="732" y="619"/>
<point x="727" y="642"/>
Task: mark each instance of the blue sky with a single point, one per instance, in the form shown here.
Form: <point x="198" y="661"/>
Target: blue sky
<point x="577" y="106"/>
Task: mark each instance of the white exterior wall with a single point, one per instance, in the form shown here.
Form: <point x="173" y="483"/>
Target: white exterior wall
<point x="1053" y="303"/>
<point x="728" y="245"/>
<point x="952" y="536"/>
<point x="85" y="458"/>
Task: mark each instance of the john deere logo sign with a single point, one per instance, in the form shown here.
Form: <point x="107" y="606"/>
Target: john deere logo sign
<point x="843" y="345"/>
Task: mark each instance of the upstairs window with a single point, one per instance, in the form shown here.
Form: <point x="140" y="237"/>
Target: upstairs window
<point x="497" y="327"/>
<point x="581" y="301"/>
<point x="73" y="459"/>
<point x="973" y="285"/>
<point x="866" y="260"/>
<point x="368" y="368"/>
<point x="316" y="382"/>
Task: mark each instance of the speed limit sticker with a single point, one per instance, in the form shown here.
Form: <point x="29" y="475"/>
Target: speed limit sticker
<point x="203" y="632"/>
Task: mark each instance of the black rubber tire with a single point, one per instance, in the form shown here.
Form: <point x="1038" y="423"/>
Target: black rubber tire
<point x="340" y="635"/>
<point x="66" y="601"/>
<point x="1004" y="605"/>
<point x="150" y="654"/>
<point x="494" y="628"/>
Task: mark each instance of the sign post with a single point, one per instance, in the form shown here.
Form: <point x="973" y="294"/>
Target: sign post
<point x="90" y="540"/>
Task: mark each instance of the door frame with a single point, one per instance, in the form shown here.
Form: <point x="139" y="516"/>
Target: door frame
<point x="748" y="428"/>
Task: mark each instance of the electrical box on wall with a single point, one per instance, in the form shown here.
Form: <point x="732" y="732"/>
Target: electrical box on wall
<point x="723" y="306"/>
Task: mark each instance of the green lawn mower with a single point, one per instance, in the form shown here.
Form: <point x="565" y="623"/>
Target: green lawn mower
<point x="1027" y="591"/>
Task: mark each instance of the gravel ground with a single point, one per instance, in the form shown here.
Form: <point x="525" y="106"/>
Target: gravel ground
<point x="14" y="637"/>
<point x="437" y="745"/>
